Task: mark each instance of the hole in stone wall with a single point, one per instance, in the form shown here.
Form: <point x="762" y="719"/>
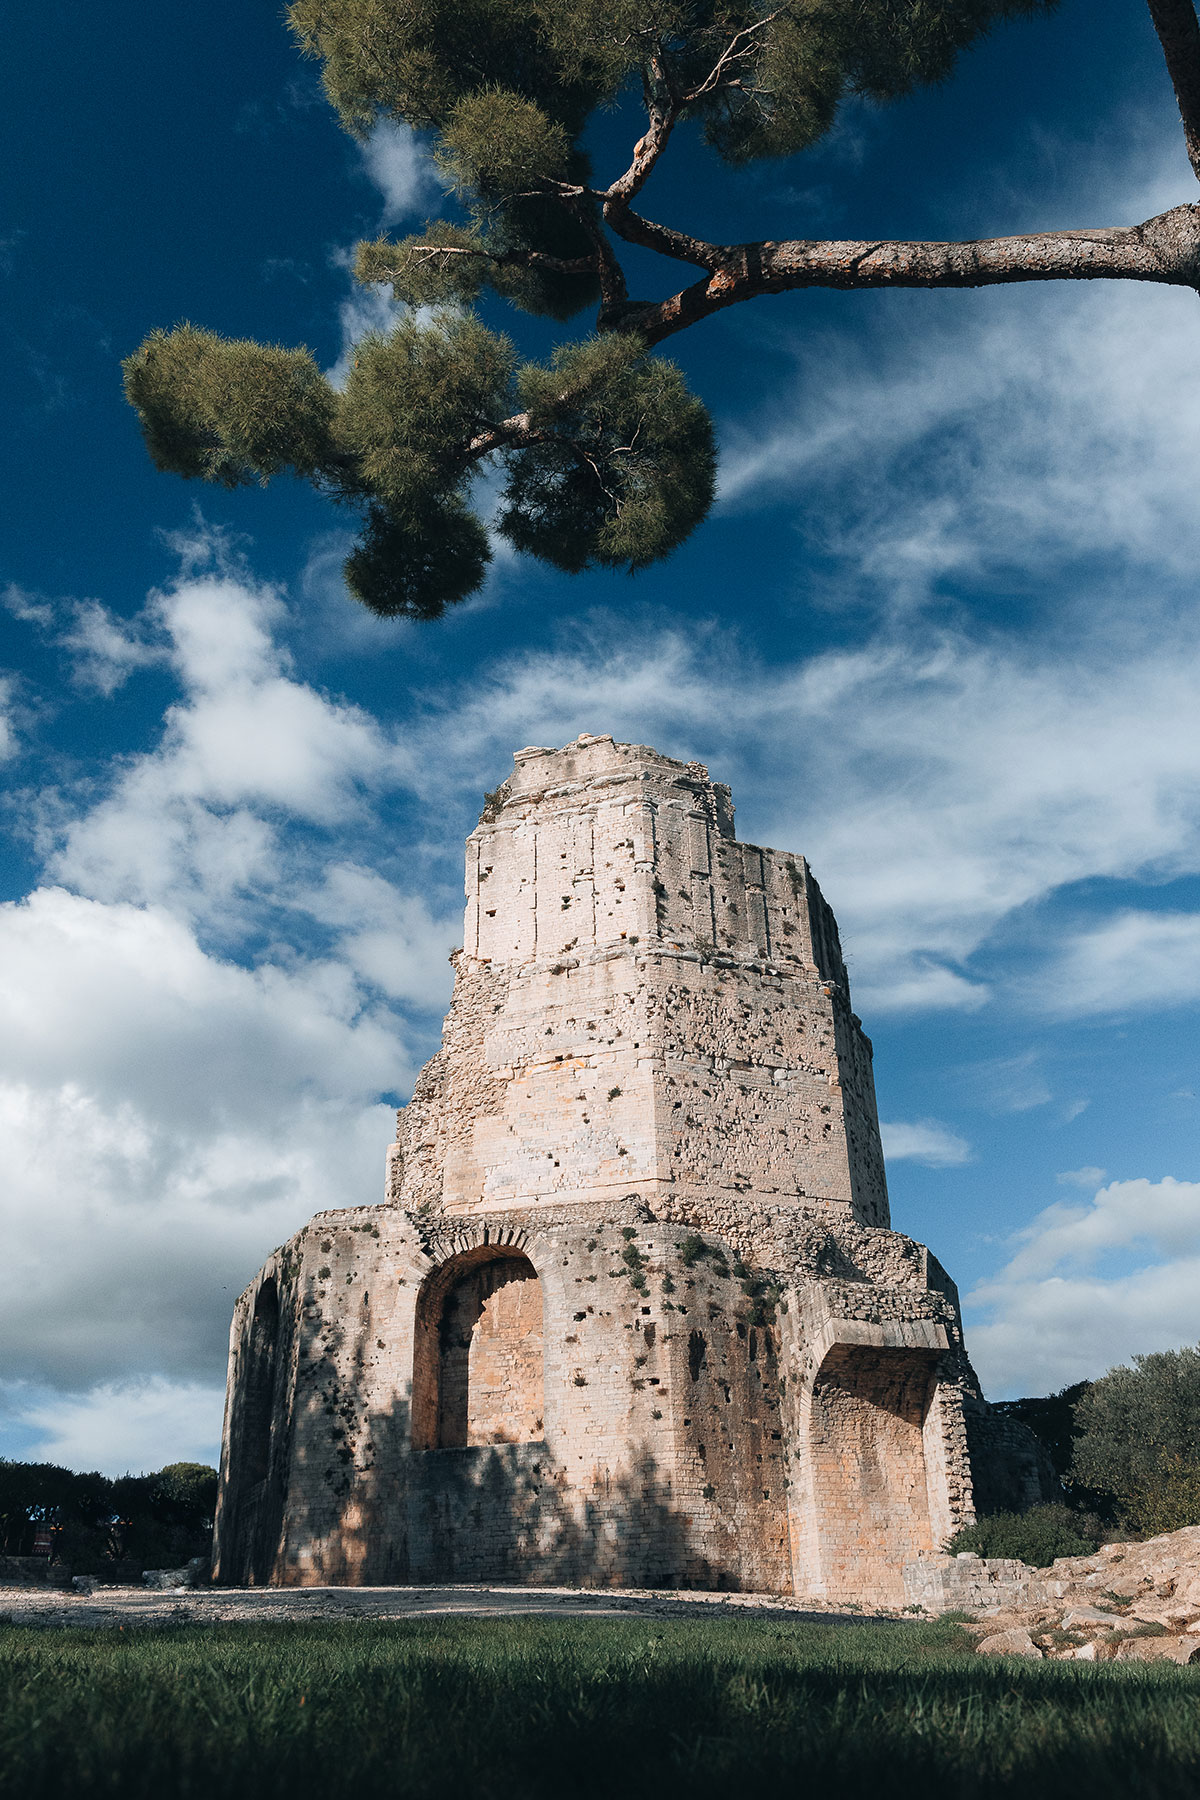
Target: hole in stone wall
<point x="478" y="1369"/>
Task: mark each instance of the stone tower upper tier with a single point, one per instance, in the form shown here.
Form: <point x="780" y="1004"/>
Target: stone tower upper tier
<point x="609" y="844"/>
<point x="642" y="1005"/>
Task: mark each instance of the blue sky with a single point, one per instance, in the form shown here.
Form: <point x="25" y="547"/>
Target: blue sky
<point x="940" y="634"/>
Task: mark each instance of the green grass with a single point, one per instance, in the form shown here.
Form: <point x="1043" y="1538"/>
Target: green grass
<point x="562" y="1707"/>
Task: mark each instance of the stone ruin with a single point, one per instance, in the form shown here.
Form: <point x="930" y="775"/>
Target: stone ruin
<point x="631" y="1311"/>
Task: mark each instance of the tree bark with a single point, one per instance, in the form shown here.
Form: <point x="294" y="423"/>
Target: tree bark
<point x="1165" y="249"/>
<point x="1179" y="34"/>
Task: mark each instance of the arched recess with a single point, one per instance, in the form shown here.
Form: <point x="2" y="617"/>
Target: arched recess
<point x="258" y="1388"/>
<point x="478" y="1363"/>
<point x="871" y="1501"/>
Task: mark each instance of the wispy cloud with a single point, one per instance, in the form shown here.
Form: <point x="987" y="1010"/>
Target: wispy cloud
<point x="123" y="1427"/>
<point x="103" y="650"/>
<point x="924" y="1141"/>
<point x="1089" y="1178"/>
<point x="399" y="164"/>
<point x="976" y="437"/>
<point x="1147" y="959"/>
<point x="940" y="782"/>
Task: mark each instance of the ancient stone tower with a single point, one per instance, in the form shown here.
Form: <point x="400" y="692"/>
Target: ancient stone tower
<point x="631" y="1310"/>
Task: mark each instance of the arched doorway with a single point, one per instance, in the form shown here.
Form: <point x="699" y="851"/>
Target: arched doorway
<point x="478" y="1364"/>
<point x="871" y="1499"/>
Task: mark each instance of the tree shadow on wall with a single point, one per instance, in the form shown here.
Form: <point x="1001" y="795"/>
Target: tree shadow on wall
<point x="363" y="1508"/>
<point x="503" y="1512"/>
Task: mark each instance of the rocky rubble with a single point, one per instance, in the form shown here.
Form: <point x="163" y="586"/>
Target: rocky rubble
<point x="1124" y="1603"/>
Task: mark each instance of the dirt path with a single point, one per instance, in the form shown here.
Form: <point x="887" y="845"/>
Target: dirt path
<point x="140" y="1606"/>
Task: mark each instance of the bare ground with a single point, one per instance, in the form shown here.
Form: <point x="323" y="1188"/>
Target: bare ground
<point x="125" y="1606"/>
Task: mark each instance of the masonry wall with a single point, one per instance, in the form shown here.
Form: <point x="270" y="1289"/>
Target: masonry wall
<point x="668" y="1455"/>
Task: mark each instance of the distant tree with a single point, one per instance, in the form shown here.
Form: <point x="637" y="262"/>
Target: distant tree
<point x="1139" y="1437"/>
<point x="188" y="1490"/>
<point x="43" y="1494"/>
<point x="99" y="1522"/>
<point x="1053" y="1418"/>
<point x="606" y="458"/>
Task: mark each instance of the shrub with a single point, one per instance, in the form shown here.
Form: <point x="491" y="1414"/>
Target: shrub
<point x="1139" y="1437"/>
<point x="1035" y="1537"/>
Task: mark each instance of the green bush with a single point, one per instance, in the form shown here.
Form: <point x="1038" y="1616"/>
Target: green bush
<point x="1139" y="1437"/>
<point x="1035" y="1537"/>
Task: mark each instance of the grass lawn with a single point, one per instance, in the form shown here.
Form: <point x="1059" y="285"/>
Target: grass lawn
<point x="564" y="1707"/>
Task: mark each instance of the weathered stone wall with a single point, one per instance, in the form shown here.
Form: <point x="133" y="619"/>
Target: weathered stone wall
<point x="668" y="1453"/>
<point x="643" y="1002"/>
<point x="1013" y="1470"/>
<point x="631" y="1312"/>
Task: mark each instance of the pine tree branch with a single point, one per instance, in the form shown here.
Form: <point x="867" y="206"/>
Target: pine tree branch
<point x="515" y="258"/>
<point x="505" y="434"/>
<point x="1164" y="249"/>
<point x="663" y="238"/>
<point x="614" y="291"/>
<point x="1179" y="34"/>
<point x="662" y="110"/>
<point x="742" y="45"/>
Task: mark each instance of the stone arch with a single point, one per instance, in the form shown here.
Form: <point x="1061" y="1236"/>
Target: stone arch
<point x="258" y="1387"/>
<point x="872" y="1509"/>
<point x="479" y="1353"/>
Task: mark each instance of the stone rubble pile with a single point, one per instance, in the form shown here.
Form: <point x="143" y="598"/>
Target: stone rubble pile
<point x="1126" y="1602"/>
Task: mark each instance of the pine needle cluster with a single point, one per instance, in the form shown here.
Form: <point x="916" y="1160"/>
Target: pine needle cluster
<point x="605" y="457"/>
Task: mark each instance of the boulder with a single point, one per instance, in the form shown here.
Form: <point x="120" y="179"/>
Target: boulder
<point x="1016" y="1642"/>
<point x="1159" y="1649"/>
<point x="169" y="1578"/>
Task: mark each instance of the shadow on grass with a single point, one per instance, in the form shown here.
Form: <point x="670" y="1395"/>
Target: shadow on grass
<point x="544" y="1707"/>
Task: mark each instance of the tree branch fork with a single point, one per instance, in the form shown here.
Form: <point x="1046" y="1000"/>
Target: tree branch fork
<point x="1164" y="249"/>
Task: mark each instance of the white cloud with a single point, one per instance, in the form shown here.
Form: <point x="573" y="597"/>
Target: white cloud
<point x="196" y="1025"/>
<point x="369" y="307"/>
<point x="389" y="938"/>
<point x="167" y="1118"/>
<point x="1081" y="1178"/>
<point x="8" y="727"/>
<point x="1090" y="1286"/>
<point x="924" y="1141"/>
<point x="402" y="169"/>
<point x="124" y="1428"/>
<point x="1136" y="959"/>
<point x="103" y="650"/>
<point x="196" y="820"/>
<point x="405" y="174"/>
